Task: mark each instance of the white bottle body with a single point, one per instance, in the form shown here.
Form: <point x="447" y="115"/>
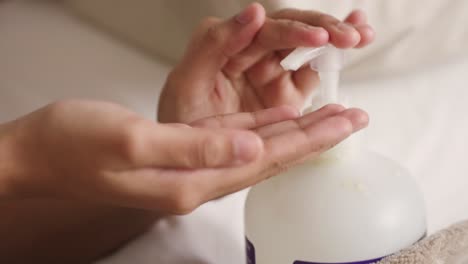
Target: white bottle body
<point x="337" y="209"/>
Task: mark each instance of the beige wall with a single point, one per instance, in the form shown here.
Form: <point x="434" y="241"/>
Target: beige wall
<point x="411" y="34"/>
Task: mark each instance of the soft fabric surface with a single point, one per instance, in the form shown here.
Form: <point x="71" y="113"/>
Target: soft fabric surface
<point x="418" y="119"/>
<point x="448" y="246"/>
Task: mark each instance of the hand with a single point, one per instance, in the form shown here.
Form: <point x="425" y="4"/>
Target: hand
<point x="233" y="66"/>
<point x="103" y="153"/>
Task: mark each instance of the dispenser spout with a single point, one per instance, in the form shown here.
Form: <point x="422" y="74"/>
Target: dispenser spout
<point x="327" y="60"/>
<point x="322" y="59"/>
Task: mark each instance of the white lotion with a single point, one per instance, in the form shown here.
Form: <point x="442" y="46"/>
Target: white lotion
<point x="348" y="206"/>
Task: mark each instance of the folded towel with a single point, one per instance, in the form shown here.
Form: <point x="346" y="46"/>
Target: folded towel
<point x="448" y="246"/>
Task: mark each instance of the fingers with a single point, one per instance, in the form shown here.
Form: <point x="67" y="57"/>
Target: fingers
<point x="199" y="148"/>
<point x="216" y="41"/>
<point x="249" y="120"/>
<point x="182" y="191"/>
<point x="265" y="74"/>
<point x="265" y="71"/>
<point x="281" y="91"/>
<point x="292" y="28"/>
<point x="342" y="35"/>
<point x="313" y="135"/>
<point x="357" y="17"/>
<point x="316" y="116"/>
<point x="359" y="20"/>
<point x="307" y="140"/>
<point x="168" y="146"/>
<point x="277" y="34"/>
<point x="282" y="150"/>
<point x="367" y="35"/>
<point x="311" y="140"/>
<point x="305" y="79"/>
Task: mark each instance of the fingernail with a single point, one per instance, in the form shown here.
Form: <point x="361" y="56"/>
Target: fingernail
<point x="345" y="27"/>
<point x="246" y="147"/>
<point x="359" y="119"/>
<point x="245" y="16"/>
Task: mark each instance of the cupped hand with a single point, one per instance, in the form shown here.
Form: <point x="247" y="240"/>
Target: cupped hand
<point x="103" y="153"/>
<point x="234" y="65"/>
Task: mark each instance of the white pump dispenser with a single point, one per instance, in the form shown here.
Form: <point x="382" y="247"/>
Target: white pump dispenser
<point x="327" y="60"/>
<point x="352" y="207"/>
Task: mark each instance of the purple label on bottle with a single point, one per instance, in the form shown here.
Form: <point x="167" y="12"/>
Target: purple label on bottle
<point x="355" y="262"/>
<point x="250" y="250"/>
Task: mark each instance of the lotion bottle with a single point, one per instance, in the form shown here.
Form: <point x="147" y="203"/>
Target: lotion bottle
<point x="349" y="205"/>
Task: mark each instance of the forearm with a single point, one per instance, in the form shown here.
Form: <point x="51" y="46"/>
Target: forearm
<point x="66" y="231"/>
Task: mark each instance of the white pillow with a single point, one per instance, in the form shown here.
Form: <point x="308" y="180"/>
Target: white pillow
<point x="411" y="34"/>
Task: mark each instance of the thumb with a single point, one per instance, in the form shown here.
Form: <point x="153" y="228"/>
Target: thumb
<point x="187" y="147"/>
<point x="216" y="41"/>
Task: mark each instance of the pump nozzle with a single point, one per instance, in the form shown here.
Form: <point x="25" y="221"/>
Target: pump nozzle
<point x="322" y="59"/>
<point x="327" y="60"/>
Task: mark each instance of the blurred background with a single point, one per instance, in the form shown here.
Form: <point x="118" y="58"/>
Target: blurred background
<point x="411" y="34"/>
<point x="413" y="82"/>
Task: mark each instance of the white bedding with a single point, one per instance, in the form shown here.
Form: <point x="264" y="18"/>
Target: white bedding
<point x="417" y="119"/>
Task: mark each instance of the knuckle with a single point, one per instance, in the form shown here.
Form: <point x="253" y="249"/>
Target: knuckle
<point x="184" y="199"/>
<point x="211" y="152"/>
<point x="255" y="118"/>
<point x="285" y="12"/>
<point x="214" y="35"/>
<point x="210" y="26"/>
<point x="131" y="141"/>
<point x="317" y="148"/>
<point x="57" y="108"/>
<point x="324" y="19"/>
<point x="54" y="115"/>
<point x="299" y="124"/>
<point x="215" y="121"/>
<point x="280" y="166"/>
<point x="218" y="120"/>
<point x="294" y="24"/>
<point x="276" y="167"/>
<point x="207" y="32"/>
<point x="201" y="123"/>
<point x="283" y="30"/>
<point x="208" y="22"/>
<point x="283" y="35"/>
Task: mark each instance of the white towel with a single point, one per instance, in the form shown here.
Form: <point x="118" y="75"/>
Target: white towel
<point x="448" y="246"/>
